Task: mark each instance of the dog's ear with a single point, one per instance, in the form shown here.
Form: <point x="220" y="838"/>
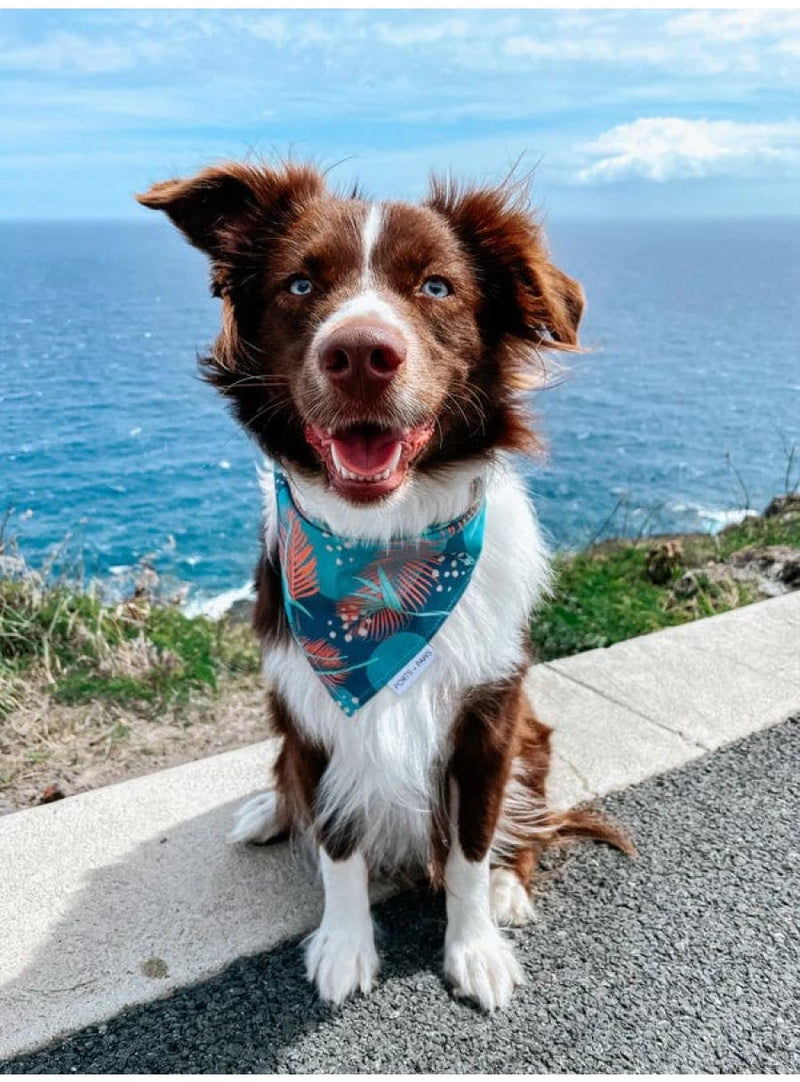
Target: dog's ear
<point x="525" y="295"/>
<point x="233" y="210"/>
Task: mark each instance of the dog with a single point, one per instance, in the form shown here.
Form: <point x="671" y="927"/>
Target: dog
<point x="379" y="353"/>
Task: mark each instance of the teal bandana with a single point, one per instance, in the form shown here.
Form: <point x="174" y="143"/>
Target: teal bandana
<point x="363" y="612"/>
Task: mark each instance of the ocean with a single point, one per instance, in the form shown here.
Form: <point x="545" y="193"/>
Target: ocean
<point x="683" y="412"/>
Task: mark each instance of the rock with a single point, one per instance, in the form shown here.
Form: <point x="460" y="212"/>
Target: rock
<point x="663" y="561"/>
<point x="686" y="586"/>
<point x="783" y="505"/>
<point x="241" y="612"/>
<point x="789" y="573"/>
<point x="51" y="794"/>
<point x="14" y="569"/>
<point x="776" y="563"/>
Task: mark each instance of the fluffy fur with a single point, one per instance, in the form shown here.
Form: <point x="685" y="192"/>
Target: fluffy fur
<point x="378" y="353"/>
<point x="383" y="760"/>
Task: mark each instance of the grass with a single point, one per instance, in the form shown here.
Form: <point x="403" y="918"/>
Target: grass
<point x="778" y="530"/>
<point x="147" y="656"/>
<point x="141" y="654"/>
<point x="92" y="691"/>
<point x="605" y="595"/>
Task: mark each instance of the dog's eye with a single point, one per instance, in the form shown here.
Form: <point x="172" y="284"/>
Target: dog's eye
<point x="436" y="288"/>
<point x="300" y="286"/>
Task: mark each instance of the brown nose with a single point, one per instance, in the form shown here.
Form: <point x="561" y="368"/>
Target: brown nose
<point x="362" y="359"/>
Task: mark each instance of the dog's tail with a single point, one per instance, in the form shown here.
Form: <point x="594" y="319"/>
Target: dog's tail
<point x="590" y="824"/>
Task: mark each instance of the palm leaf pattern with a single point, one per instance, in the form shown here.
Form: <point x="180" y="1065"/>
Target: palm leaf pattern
<point x="392" y="590"/>
<point x="326" y="661"/>
<point x="299" y="561"/>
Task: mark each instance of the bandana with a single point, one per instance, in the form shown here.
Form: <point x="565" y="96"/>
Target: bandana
<point x="363" y="613"/>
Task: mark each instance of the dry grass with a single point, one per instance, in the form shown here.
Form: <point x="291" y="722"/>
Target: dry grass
<point x="73" y="748"/>
<point x="92" y="693"/>
<point x="93" y="690"/>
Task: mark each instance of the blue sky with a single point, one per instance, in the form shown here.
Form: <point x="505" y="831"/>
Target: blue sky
<point x="631" y="112"/>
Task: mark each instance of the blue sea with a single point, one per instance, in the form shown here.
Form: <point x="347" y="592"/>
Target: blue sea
<point x="684" y="411"/>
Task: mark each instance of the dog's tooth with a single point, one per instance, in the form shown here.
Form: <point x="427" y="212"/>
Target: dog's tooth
<point x="395" y="459"/>
<point x="336" y="460"/>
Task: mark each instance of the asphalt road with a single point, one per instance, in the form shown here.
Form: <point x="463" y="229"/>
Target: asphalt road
<point x="686" y="960"/>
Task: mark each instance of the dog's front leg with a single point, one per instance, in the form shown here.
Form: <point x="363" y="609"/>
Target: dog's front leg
<point x="477" y="958"/>
<point x="341" y="956"/>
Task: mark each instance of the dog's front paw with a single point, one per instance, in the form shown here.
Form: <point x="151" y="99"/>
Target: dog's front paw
<point x="509" y="900"/>
<point x="341" y="961"/>
<point x="257" y="820"/>
<point x="483" y="968"/>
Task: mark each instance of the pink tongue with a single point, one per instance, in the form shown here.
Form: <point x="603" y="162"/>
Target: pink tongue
<point x="364" y="454"/>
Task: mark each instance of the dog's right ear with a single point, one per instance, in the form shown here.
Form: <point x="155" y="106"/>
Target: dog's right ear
<point x="232" y="210"/>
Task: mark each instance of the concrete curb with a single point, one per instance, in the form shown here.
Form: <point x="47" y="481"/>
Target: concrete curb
<point x="122" y="895"/>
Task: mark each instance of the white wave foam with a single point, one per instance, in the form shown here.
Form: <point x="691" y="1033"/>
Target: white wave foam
<point x="717" y="518"/>
<point x="215" y="607"/>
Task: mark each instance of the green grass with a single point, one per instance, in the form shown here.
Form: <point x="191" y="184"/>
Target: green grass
<point x="145" y="655"/>
<point x="779" y="530"/>
<point x="141" y="655"/>
<point x="598" y="600"/>
<point x="603" y="596"/>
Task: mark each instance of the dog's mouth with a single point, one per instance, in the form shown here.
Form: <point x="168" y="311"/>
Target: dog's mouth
<point x="365" y="462"/>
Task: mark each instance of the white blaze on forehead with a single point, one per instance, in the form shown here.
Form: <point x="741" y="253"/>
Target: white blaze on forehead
<point x="365" y="304"/>
<point x="369" y="236"/>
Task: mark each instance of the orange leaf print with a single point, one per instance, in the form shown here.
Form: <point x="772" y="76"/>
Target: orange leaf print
<point x="300" y="564"/>
<point x="376" y="625"/>
<point x="392" y="590"/>
<point x="325" y="660"/>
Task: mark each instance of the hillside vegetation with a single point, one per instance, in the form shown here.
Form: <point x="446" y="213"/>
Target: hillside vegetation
<point x="93" y="691"/>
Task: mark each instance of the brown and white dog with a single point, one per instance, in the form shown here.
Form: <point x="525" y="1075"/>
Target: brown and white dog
<point x="379" y="353"/>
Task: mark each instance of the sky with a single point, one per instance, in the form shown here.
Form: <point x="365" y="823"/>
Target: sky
<point x="667" y="113"/>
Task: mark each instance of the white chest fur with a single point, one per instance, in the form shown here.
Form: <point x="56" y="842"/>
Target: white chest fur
<point x="383" y="759"/>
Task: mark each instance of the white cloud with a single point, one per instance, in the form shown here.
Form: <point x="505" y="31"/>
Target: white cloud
<point x="735" y="26"/>
<point x="687" y="44"/>
<point x="593" y="48"/>
<point x="68" y="53"/>
<point x="670" y="148"/>
<point x="415" y="34"/>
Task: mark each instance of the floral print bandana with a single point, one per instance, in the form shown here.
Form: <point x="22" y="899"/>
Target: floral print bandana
<point x="364" y="613"/>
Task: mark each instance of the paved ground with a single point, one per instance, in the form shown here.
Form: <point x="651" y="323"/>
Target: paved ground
<point x="687" y="960"/>
<point x="129" y="893"/>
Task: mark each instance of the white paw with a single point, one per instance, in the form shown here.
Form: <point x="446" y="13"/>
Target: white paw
<point x="341" y="961"/>
<point x="509" y="899"/>
<point x="257" y="820"/>
<point x="483" y="968"/>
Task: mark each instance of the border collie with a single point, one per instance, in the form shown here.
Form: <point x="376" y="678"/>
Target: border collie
<point x="380" y="353"/>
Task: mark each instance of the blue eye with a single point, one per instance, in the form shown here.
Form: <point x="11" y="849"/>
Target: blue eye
<point x="300" y="286"/>
<point x="436" y="288"/>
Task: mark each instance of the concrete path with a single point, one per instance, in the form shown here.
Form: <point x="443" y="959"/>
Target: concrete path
<point x="122" y="895"/>
<point x="684" y="961"/>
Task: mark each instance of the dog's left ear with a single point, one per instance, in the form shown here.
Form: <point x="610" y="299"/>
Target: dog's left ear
<point x="525" y="295"/>
<point x="234" y="210"/>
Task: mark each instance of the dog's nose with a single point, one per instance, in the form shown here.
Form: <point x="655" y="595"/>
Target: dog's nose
<point x="362" y="358"/>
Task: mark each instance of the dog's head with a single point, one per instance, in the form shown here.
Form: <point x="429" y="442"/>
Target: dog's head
<point x="366" y="342"/>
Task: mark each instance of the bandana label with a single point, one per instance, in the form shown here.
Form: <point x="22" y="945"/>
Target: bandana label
<point x="416" y="667"/>
<point x="363" y="612"/>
